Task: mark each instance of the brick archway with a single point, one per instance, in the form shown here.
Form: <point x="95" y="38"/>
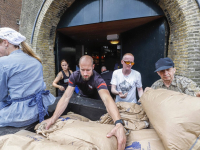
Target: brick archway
<point x="184" y="41"/>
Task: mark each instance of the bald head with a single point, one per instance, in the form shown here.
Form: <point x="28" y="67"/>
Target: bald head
<point x="127" y="54"/>
<point x="86" y="67"/>
<point x="103" y="68"/>
<point x="86" y="59"/>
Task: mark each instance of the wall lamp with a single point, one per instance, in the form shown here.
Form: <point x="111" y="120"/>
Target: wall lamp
<point x="113" y="38"/>
<point x="114" y="41"/>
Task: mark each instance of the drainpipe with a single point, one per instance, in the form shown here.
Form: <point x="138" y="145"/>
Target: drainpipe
<point x="198" y="2"/>
<point x="101" y="11"/>
<point x="36" y="21"/>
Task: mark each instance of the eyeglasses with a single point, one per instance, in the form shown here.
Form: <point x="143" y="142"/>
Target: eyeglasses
<point x="128" y="62"/>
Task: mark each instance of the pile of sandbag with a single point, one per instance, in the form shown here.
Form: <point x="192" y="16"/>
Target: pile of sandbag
<point x="61" y="122"/>
<point x="175" y="117"/>
<point x="71" y="131"/>
<point x="25" y="140"/>
<point x="133" y="115"/>
<point x="88" y="135"/>
<point x="146" y="139"/>
<point x="74" y="116"/>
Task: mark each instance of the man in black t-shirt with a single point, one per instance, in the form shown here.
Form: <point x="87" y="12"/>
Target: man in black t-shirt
<point x="88" y="87"/>
<point x="88" y="81"/>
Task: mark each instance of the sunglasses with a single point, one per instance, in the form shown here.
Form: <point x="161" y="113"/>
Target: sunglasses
<point x="128" y="62"/>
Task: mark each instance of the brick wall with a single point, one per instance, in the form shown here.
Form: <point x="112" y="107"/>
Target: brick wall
<point x="184" y="41"/>
<point x="44" y="35"/>
<point x="30" y="10"/>
<point x="10" y="11"/>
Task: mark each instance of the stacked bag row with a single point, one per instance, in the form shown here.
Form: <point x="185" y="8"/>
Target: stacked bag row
<point x="175" y="119"/>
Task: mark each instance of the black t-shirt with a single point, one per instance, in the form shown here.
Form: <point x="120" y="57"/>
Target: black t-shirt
<point x="107" y="76"/>
<point x="64" y="82"/>
<point x="88" y="88"/>
<point x="65" y="79"/>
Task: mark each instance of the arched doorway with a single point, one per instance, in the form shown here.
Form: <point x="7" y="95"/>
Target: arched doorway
<point x="141" y="32"/>
<point x="183" y="45"/>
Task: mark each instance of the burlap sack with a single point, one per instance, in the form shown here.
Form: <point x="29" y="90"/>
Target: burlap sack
<point x="25" y="140"/>
<point x="130" y="108"/>
<point x="175" y="117"/>
<point x="68" y="140"/>
<point x="74" y="116"/>
<point x="60" y="122"/>
<point x="133" y="115"/>
<point x="146" y="139"/>
<point x="78" y="133"/>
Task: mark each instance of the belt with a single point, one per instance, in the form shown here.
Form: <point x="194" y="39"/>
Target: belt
<point x="35" y="99"/>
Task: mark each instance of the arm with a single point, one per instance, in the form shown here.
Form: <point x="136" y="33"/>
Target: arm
<point x="111" y="107"/>
<point x="3" y="85"/>
<point x="61" y="106"/>
<point x="138" y="84"/>
<point x="56" y="80"/>
<point x="189" y="86"/>
<point x="113" y="90"/>
<point x="114" y="82"/>
<point x="140" y="91"/>
<point x="198" y="94"/>
<point x="147" y="88"/>
<point x="110" y="104"/>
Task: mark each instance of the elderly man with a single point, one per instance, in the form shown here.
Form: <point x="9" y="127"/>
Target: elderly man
<point x="89" y="81"/>
<point x="165" y="69"/>
<point x="125" y="81"/>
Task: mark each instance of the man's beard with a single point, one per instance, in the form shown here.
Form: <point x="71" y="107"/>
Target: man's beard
<point x="85" y="79"/>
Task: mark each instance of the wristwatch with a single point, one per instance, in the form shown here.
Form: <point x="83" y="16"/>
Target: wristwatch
<point x="119" y="121"/>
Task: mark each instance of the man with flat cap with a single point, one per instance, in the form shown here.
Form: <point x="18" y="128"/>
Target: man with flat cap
<point x="165" y="69"/>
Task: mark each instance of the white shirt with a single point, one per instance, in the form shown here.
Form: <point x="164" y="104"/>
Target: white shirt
<point x="126" y="84"/>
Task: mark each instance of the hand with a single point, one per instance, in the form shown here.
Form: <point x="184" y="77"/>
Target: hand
<point x="198" y="94"/>
<point x="121" y="95"/>
<point x="48" y="122"/>
<point x="61" y="88"/>
<point x="119" y="133"/>
<point x="146" y="89"/>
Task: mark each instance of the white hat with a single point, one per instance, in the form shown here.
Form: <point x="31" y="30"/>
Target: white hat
<point x="12" y="36"/>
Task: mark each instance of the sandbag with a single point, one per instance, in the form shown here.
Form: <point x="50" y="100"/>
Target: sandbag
<point x="146" y="139"/>
<point x="74" y="116"/>
<point x="175" y="117"/>
<point x="60" y="122"/>
<point x="132" y="114"/>
<point x="25" y="140"/>
<point x="78" y="133"/>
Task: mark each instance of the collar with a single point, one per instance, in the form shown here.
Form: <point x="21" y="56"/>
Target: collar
<point x="174" y="81"/>
<point x="105" y="71"/>
<point x="128" y="74"/>
<point x="16" y="51"/>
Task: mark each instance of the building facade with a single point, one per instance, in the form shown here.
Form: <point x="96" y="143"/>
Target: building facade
<point x="40" y="19"/>
<point x="10" y="13"/>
